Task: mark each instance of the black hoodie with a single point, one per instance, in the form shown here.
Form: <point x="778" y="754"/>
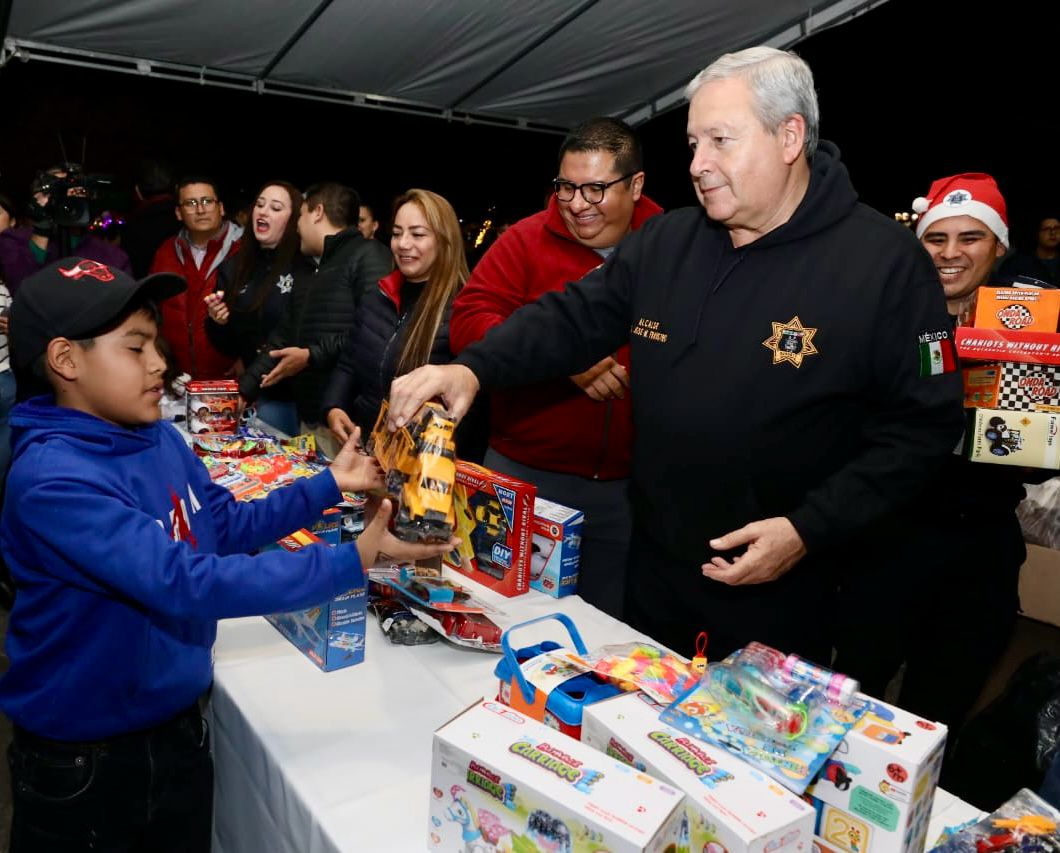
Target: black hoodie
<point x="729" y="426"/>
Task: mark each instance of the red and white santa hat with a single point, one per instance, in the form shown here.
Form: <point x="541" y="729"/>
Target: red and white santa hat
<point x="972" y="194"/>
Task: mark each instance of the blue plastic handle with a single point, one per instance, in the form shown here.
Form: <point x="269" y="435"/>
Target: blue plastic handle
<point x="528" y="689"/>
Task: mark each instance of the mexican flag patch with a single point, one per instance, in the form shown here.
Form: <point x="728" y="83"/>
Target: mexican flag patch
<point x="937" y="353"/>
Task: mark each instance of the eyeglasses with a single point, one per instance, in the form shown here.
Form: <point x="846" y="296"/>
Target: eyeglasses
<point x="592" y="192"/>
<point x="206" y="203"/>
<point x="1050" y="228"/>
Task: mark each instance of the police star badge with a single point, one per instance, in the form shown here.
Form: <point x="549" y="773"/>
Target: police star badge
<point x="791" y="341"/>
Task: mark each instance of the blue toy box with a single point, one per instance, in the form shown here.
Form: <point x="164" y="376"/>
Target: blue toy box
<point x="330" y="634"/>
<point x="555" y="548"/>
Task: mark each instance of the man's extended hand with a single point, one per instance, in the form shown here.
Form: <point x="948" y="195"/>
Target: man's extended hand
<point x="377" y="540"/>
<point x="353" y="470"/>
<point x="454" y="383"/>
<point x="773" y="547"/>
<point x="340" y="424"/>
<point x="605" y="380"/>
<point x="292" y="360"/>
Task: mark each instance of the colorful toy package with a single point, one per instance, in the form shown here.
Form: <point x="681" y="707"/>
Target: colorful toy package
<point x="493" y="521"/>
<point x="874" y="793"/>
<point x="1013" y="386"/>
<point x="556" y="548"/>
<point x="783" y="721"/>
<point x="1017" y="309"/>
<point x="501" y="781"/>
<point x="1029" y="439"/>
<point x="331" y="634"/>
<point x="1024" y="824"/>
<point x="641" y="666"/>
<point x="213" y="406"/>
<point x="729" y="804"/>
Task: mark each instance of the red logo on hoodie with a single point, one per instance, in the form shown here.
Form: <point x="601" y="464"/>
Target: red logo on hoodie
<point x="181" y="531"/>
<point x="98" y="271"/>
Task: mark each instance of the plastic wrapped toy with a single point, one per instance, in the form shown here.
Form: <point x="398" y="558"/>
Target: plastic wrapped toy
<point x="400" y="625"/>
<point x="642" y="666"/>
<point x="1023" y="824"/>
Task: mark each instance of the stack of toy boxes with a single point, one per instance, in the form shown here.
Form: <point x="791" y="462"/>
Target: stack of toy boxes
<point x="1014" y="399"/>
<point x="501" y="781"/>
<point x="730" y="805"/>
<point x="331" y="634"/>
<point x="875" y="793"/>
<point x="494" y="515"/>
<point x="556" y="548"/>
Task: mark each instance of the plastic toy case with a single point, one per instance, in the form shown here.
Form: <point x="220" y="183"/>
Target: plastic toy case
<point x="556" y="548"/>
<point x="213" y="406"/>
<point x="501" y="781"/>
<point x="1023" y="824"/>
<point x="729" y="803"/>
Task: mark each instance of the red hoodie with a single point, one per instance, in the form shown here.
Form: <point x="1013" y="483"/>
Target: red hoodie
<point x="184" y="316"/>
<point x="554" y="425"/>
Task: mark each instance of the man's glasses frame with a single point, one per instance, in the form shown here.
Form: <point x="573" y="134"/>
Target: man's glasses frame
<point x="593" y="192"/>
<point x="206" y="202"/>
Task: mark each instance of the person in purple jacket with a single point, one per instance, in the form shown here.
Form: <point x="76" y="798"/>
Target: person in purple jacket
<point x="124" y="555"/>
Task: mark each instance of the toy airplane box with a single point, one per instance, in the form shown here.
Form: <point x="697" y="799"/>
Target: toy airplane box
<point x="1013" y="386"/>
<point x="728" y="803"/>
<point x="1014" y="438"/>
<point x="331" y="634"/>
<point x="1017" y="309"/>
<point x="494" y="521"/>
<point x="213" y="406"/>
<point x="501" y="781"/>
<point x="555" y="548"/>
<point x="874" y="794"/>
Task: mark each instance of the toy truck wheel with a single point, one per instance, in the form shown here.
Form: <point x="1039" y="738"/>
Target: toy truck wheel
<point x="203" y="411"/>
<point x="999" y="450"/>
<point x="997" y="422"/>
<point x="992" y="435"/>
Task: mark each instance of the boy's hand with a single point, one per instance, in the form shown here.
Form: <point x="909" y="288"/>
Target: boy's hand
<point x="376" y="540"/>
<point x="355" y="471"/>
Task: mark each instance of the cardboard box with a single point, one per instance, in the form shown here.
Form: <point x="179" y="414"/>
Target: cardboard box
<point x="556" y="548"/>
<point x="494" y="515"/>
<point x="1013" y="386"/>
<point x="329" y="527"/>
<point x="1028" y="439"/>
<point x="1006" y="345"/>
<point x="331" y="634"/>
<point x="1040" y="585"/>
<point x="501" y="781"/>
<point x="875" y="793"/>
<point x="727" y="801"/>
<point x="1018" y="309"/>
<point x="213" y="406"/>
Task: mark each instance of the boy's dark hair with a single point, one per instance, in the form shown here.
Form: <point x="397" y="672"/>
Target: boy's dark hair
<point x="606" y="134"/>
<point x="185" y="180"/>
<point x="341" y="204"/>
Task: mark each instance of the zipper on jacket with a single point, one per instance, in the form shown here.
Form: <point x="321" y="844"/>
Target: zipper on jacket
<point x="386" y="350"/>
<point x="603" y="444"/>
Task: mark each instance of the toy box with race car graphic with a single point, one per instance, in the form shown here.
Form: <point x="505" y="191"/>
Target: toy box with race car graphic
<point x="501" y="781"/>
<point x="1017" y="309"/>
<point x="875" y="792"/>
<point x="1013" y="386"/>
<point x="494" y="515"/>
<point x="213" y="406"/>
<point x="555" y="548"/>
<point x="730" y="804"/>
<point x="1014" y="438"/>
<point x="330" y="634"/>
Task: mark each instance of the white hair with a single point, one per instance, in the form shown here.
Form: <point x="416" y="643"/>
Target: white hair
<point x="781" y="86"/>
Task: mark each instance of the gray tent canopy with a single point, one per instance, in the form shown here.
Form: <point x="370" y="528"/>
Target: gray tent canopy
<point x="535" y="64"/>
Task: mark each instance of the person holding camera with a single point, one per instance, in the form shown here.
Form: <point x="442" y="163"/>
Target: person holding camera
<point x="58" y="217"/>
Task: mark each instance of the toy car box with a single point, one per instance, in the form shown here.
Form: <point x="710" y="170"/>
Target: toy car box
<point x="729" y="803"/>
<point x="1008" y="345"/>
<point x="331" y="634"/>
<point x="1014" y="438"/>
<point x="494" y="515"/>
<point x="213" y="406"/>
<point x="555" y="548"/>
<point x="501" y="781"/>
<point x="1013" y="386"/>
<point x="874" y="795"/>
<point x="1017" y="309"/>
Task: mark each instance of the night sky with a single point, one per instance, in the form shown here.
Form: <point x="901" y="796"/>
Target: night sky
<point x="910" y="91"/>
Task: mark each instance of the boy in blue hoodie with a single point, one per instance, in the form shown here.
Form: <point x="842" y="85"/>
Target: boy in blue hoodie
<point x="125" y="555"/>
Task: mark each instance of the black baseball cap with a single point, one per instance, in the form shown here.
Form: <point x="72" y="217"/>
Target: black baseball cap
<point x="76" y="298"/>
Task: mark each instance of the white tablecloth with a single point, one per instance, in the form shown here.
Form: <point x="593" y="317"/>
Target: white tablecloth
<point x="314" y="762"/>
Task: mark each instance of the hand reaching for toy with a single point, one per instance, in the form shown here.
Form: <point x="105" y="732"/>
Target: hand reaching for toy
<point x="605" y="380"/>
<point x="216" y="308"/>
<point x="773" y="547"/>
<point x="353" y="470"/>
<point x="377" y="540"/>
<point x="340" y="424"/>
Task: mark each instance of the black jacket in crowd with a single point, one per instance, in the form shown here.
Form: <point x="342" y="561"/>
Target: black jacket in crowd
<point x="320" y="315"/>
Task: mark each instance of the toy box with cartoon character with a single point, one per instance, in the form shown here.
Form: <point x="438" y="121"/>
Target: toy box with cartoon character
<point x="1017" y="309"/>
<point x="555" y="548"/>
<point x="874" y="794"/>
<point x="729" y="803"/>
<point x="501" y="781"/>
<point x="494" y="515"/>
<point x="1013" y="386"/>
<point x="213" y="406"/>
<point x="1028" y="439"/>
<point x="331" y="634"/>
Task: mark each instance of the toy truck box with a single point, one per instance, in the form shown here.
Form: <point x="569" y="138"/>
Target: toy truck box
<point x="1013" y="386"/>
<point x="213" y="406"/>
<point x="728" y="803"/>
<point x="1017" y="309"/>
<point x="501" y="781"/>
<point x="1014" y="438"/>
<point x="555" y="548"/>
<point x="330" y="634"/>
<point x="874" y="794"/>
<point x="494" y="515"/>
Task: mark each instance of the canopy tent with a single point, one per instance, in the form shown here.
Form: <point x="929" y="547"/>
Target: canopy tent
<point x="536" y="64"/>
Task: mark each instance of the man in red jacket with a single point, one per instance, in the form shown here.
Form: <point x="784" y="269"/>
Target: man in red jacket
<point x="196" y="253"/>
<point x="572" y="438"/>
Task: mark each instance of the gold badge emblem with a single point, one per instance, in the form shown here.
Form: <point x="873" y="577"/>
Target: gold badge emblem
<point x="791" y="341"/>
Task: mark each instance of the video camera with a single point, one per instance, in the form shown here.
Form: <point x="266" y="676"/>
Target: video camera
<point x="69" y="192"/>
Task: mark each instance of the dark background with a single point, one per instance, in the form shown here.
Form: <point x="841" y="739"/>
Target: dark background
<point x="910" y="91"/>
